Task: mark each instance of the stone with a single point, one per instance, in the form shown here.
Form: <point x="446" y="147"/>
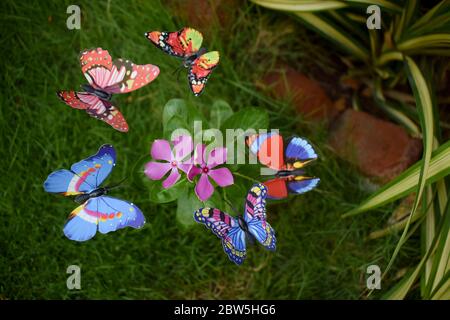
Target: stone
<point x="202" y="14"/>
<point x="378" y="148"/>
<point x="308" y="97"/>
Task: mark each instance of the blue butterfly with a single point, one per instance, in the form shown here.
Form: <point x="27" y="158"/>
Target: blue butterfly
<point x="97" y="211"/>
<point x="235" y="232"/>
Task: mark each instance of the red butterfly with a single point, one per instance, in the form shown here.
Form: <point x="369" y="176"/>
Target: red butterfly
<point x="186" y="44"/>
<point x="107" y="77"/>
<point x="285" y="160"/>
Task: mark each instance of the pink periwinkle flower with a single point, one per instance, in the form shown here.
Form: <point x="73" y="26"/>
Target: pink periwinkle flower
<point x="178" y="158"/>
<point x="204" y="166"/>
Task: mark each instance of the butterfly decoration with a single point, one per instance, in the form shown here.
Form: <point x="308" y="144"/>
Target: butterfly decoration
<point x="107" y="77"/>
<point x="285" y="163"/>
<point x="236" y="232"/>
<point x="186" y="44"/>
<point x="96" y="211"/>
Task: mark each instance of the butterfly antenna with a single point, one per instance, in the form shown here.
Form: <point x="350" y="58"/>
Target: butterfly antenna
<point x="118" y="184"/>
<point x="231" y="206"/>
<point x="177" y="71"/>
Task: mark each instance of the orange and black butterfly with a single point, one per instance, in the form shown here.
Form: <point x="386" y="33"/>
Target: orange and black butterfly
<point x="286" y="161"/>
<point x="187" y="44"/>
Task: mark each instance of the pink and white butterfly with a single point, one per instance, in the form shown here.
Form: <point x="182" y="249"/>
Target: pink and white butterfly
<point x="107" y="77"/>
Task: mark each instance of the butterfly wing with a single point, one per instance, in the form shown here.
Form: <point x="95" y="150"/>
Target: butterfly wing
<point x="103" y="213"/>
<point x="67" y="183"/>
<point x="302" y="184"/>
<point x="83" y="176"/>
<point x="276" y="188"/>
<point x="200" y="70"/>
<point x="95" y="169"/>
<point x="227" y="229"/>
<point x="82" y="222"/>
<point x="118" y="76"/>
<point x="125" y="76"/>
<point x="117" y="214"/>
<point x="268" y="147"/>
<point x="103" y="110"/>
<point x="95" y="107"/>
<point x="255" y="216"/>
<point x="96" y="65"/>
<point x="299" y="152"/>
<point x="72" y="99"/>
<point x="279" y="188"/>
<point x="182" y="44"/>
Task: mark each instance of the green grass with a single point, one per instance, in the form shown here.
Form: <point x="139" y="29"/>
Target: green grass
<point x="319" y="255"/>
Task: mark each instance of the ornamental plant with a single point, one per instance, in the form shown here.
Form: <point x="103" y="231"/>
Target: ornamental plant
<point x="195" y="174"/>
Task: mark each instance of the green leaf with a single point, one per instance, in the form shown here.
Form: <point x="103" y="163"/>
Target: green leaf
<point x="439" y="40"/>
<point x="382" y="3"/>
<point x="425" y="110"/>
<point x="235" y="195"/>
<point x="405" y="19"/>
<point x="439" y="241"/>
<point x="443" y="289"/>
<point x="247" y="118"/>
<point x="177" y="114"/>
<point x="424" y="104"/>
<point x="220" y="112"/>
<point x="188" y="203"/>
<point x="441" y="262"/>
<point x="393" y="112"/>
<point x="174" y="107"/>
<point x="174" y="123"/>
<point x="400" y="290"/>
<point x="160" y="195"/>
<point x="432" y="15"/>
<point x="406" y="182"/>
<point x="334" y="34"/>
<point x="300" y="5"/>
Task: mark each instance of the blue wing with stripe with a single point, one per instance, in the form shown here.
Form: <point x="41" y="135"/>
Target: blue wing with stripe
<point x="255" y="216"/>
<point x="96" y="168"/>
<point x="299" y="149"/>
<point x="227" y="229"/>
<point x="301" y="184"/>
<point x="104" y="214"/>
<point x="84" y="176"/>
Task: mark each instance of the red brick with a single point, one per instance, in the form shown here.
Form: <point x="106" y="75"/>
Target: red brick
<point x="377" y="147"/>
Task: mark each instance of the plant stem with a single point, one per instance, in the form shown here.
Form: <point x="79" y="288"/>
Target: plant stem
<point x="245" y="177"/>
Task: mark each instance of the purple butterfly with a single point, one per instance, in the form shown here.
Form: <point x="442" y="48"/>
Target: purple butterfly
<point x="235" y="232"/>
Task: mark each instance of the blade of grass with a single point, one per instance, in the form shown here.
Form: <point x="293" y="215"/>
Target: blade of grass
<point x="407" y="181"/>
<point x="334" y="33"/>
<point x="438" y="40"/>
<point x="307" y="6"/>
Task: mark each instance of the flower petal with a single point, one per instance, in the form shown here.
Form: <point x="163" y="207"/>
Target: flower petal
<point x="222" y="176"/>
<point x="185" y="166"/>
<point x="172" y="179"/>
<point x="193" y="171"/>
<point x="217" y="156"/>
<point x="161" y="150"/>
<point x="204" y="189"/>
<point x="199" y="156"/>
<point x="183" y="147"/>
<point x="157" y="170"/>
